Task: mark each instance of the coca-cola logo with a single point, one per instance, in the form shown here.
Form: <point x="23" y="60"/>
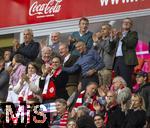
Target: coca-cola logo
<point x="47" y="9"/>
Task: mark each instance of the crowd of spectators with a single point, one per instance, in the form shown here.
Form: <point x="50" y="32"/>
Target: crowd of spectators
<point x="89" y="79"/>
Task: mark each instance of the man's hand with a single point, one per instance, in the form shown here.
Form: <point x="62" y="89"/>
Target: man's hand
<point x="16" y="44"/>
<point x="97" y="36"/>
<point x="91" y="72"/>
<point x="96" y="106"/>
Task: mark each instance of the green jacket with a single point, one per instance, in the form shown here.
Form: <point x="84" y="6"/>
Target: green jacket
<point x="129" y="43"/>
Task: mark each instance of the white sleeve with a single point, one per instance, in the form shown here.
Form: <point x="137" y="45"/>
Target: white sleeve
<point x="18" y="87"/>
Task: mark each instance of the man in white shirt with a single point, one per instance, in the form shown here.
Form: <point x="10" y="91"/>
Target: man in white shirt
<point x="123" y="46"/>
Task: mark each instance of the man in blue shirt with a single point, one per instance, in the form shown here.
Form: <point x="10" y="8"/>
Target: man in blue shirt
<point x="89" y="62"/>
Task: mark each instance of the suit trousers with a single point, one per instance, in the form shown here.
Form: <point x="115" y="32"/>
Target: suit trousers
<point x="86" y="80"/>
<point x="123" y="70"/>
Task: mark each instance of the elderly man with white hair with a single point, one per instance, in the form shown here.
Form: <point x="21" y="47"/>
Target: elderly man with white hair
<point x="118" y="84"/>
<point x="46" y="56"/>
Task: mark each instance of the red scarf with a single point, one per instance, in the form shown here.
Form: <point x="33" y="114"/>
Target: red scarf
<point x="80" y="99"/>
<point x="63" y="120"/>
<point x="49" y="90"/>
<point x="25" y="93"/>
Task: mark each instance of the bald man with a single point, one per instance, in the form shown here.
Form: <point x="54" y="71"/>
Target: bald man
<point x="114" y="115"/>
<point x="88" y="63"/>
<point x="55" y="39"/>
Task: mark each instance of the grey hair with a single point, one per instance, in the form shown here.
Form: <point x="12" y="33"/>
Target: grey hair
<point x="124" y="95"/>
<point x="64" y="44"/>
<point x="58" y="33"/>
<point x="46" y="48"/>
<point x="29" y="30"/>
<point x="84" y="109"/>
<point x="119" y="78"/>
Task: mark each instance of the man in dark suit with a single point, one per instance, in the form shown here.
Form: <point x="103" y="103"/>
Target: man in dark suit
<point x="68" y="61"/>
<point x="29" y="48"/>
<point x="4" y="81"/>
<point x="123" y="46"/>
<point x="114" y="116"/>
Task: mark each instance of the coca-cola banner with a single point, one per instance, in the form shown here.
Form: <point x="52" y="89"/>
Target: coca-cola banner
<point x="21" y="12"/>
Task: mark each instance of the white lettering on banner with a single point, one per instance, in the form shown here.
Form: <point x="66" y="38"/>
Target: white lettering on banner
<point x="115" y="2"/>
<point x="142" y="52"/>
<point x="45" y="9"/>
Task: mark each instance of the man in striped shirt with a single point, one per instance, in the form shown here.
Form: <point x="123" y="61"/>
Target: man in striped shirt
<point x="60" y="119"/>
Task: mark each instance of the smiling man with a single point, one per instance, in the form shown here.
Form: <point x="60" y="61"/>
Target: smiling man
<point x="89" y="62"/>
<point x="82" y="35"/>
<point x="29" y="48"/>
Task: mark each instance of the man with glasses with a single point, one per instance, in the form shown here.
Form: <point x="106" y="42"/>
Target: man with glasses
<point x="123" y="46"/>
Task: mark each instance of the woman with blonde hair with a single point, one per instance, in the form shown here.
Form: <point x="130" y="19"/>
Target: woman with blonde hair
<point x="136" y="115"/>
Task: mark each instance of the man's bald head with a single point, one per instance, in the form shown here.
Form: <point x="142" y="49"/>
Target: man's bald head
<point x="81" y="47"/>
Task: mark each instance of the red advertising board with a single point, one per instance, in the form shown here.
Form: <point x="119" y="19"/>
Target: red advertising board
<point x="22" y="12"/>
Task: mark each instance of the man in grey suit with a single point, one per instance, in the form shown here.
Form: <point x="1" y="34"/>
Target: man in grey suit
<point x="101" y="44"/>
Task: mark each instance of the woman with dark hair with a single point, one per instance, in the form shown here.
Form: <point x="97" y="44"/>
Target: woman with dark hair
<point x="72" y="123"/>
<point x="26" y="84"/>
<point x="99" y="121"/>
<point x="16" y="70"/>
<point x="84" y="120"/>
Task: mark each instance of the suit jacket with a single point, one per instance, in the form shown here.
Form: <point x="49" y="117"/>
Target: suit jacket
<point x="4" y="84"/>
<point x="115" y="117"/>
<point x="102" y="47"/>
<point x="74" y="77"/>
<point x="144" y="91"/>
<point x="30" y="51"/>
<point x="129" y="43"/>
<point x="60" y="85"/>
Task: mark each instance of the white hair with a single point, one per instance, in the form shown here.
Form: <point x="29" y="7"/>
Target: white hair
<point x="119" y="78"/>
<point x="124" y="95"/>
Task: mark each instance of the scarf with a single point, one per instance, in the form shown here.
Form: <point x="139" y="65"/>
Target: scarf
<point x="49" y="90"/>
<point x="89" y="105"/>
<point x="25" y="93"/>
<point x="60" y="121"/>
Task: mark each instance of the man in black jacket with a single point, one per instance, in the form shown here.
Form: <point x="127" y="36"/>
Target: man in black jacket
<point x="114" y="117"/>
<point x="68" y="61"/>
<point x="29" y="49"/>
<point x="123" y="46"/>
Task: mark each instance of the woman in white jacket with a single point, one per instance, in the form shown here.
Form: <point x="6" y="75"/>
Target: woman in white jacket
<point x="26" y="87"/>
